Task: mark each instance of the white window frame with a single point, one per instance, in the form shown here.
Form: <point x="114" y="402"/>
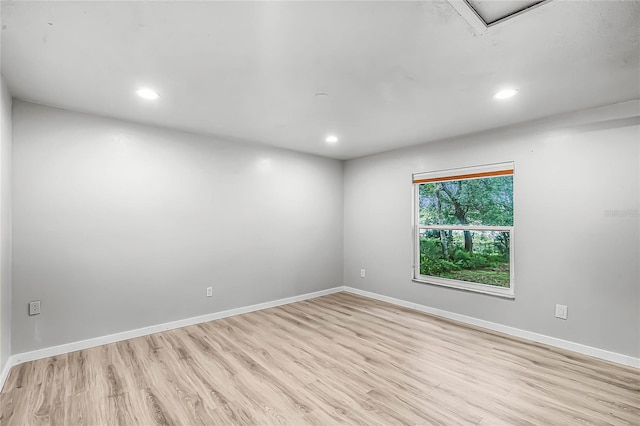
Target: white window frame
<point x="506" y="292"/>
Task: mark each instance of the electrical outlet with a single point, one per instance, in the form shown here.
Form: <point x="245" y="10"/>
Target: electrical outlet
<point x="34" y="307"/>
<point x="561" y="311"/>
<point x="362" y="273"/>
<point x="209" y="291"/>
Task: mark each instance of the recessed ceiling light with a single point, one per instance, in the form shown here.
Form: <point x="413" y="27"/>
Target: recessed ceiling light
<point x="505" y="94"/>
<point x="147" y="94"/>
<point x="331" y="139"/>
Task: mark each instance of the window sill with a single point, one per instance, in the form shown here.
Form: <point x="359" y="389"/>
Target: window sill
<point x="472" y="287"/>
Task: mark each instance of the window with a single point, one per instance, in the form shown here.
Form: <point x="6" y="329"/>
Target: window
<point x="463" y="232"/>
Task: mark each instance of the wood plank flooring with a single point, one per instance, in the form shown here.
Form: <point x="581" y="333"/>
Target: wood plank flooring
<point x="338" y="359"/>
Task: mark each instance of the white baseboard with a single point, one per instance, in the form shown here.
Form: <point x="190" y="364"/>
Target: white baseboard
<point x="5" y="372"/>
<point x="145" y="331"/>
<point x="117" y="337"/>
<point x="512" y="331"/>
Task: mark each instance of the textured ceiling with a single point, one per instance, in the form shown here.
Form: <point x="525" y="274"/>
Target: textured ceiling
<point x="396" y="73"/>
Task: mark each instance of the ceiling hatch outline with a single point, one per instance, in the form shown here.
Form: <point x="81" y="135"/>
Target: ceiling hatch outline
<point x="478" y="23"/>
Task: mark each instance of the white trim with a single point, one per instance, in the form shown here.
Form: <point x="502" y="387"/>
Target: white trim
<point x="516" y="15"/>
<point x="145" y="331"/>
<point x="491" y="290"/>
<point x="478" y="23"/>
<point x="512" y="331"/>
<point x="5" y="371"/>
<point x="470" y="15"/>
<point x="483" y="168"/>
<point x="112" y="338"/>
<point x="457" y="227"/>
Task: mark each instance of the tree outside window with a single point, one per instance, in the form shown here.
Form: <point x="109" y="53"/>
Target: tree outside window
<point x="464" y="228"/>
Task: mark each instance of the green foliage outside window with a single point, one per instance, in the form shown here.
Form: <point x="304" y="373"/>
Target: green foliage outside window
<point x="479" y="256"/>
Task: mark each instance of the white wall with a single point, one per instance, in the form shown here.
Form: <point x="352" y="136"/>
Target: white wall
<point x="118" y="226"/>
<point x="570" y="171"/>
<point x="5" y="223"/>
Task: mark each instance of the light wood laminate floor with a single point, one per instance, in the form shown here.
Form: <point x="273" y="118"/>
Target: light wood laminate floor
<point x="338" y="359"/>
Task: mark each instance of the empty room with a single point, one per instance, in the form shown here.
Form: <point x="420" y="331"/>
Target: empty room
<point x="320" y="212"/>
